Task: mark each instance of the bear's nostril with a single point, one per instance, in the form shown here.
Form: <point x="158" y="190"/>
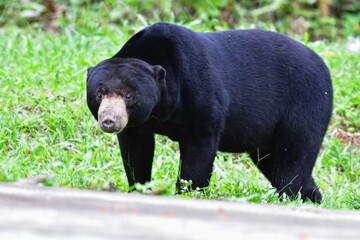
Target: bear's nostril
<point x="108" y="122"/>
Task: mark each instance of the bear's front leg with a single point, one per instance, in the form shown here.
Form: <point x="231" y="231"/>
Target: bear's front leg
<point x="137" y="151"/>
<point x="197" y="158"/>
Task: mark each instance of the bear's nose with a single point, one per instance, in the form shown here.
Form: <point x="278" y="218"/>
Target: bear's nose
<point x="108" y="122"/>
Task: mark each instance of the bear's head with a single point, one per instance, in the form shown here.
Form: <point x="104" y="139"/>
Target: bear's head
<point x="123" y="92"/>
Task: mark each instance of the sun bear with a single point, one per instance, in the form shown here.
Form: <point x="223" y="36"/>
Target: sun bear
<point x="250" y="91"/>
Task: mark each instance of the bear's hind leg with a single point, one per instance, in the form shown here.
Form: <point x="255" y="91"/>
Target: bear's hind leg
<point x="286" y="175"/>
<point x="312" y="191"/>
<point x="292" y="167"/>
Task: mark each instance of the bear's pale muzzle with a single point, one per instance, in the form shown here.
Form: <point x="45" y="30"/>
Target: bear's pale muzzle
<point x="112" y="115"/>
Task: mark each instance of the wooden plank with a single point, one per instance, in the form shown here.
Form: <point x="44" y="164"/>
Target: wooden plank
<point x="29" y="212"/>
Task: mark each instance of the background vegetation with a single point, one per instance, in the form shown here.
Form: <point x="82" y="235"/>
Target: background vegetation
<point x="46" y="129"/>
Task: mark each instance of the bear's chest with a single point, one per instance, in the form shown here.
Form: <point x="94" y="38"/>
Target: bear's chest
<point x="171" y="130"/>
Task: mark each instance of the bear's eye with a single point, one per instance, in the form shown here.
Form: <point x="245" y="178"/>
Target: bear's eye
<point x="128" y="96"/>
<point x="99" y="95"/>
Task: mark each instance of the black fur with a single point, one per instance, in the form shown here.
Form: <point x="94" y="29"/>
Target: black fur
<point x="236" y="91"/>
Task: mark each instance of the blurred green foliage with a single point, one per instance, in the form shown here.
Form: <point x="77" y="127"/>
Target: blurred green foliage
<point x="329" y="19"/>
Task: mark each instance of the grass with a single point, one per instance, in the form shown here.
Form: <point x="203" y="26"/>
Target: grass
<point x="46" y="128"/>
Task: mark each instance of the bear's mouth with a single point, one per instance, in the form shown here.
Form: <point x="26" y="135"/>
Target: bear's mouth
<point x="112" y="115"/>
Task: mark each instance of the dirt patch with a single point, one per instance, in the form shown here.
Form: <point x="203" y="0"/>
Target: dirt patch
<point x="348" y="137"/>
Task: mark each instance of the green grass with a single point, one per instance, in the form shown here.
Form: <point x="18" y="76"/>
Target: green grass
<point x="46" y="128"/>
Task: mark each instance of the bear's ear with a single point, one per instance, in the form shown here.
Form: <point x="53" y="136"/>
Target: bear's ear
<point x="89" y="70"/>
<point x="160" y="74"/>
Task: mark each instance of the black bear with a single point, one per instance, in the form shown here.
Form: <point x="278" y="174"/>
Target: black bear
<point x="250" y="91"/>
